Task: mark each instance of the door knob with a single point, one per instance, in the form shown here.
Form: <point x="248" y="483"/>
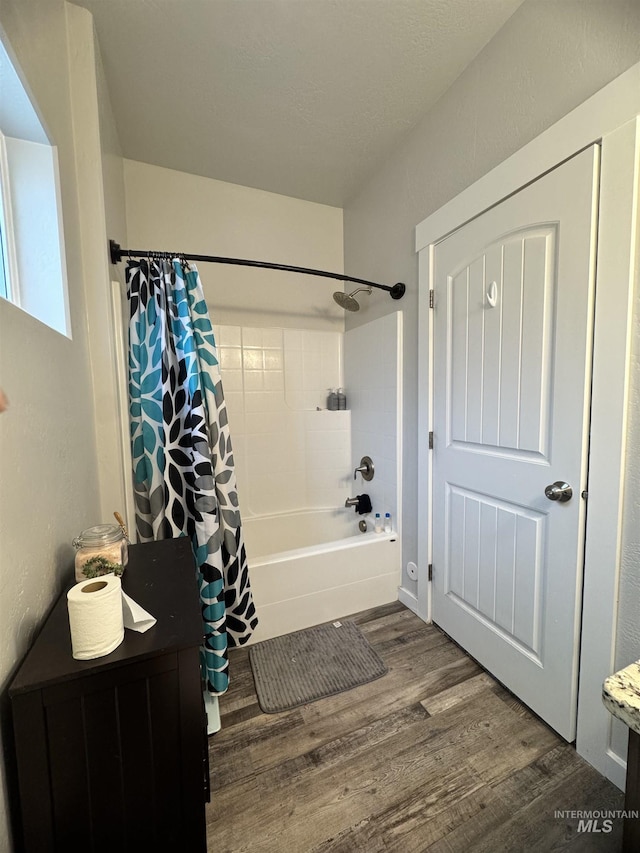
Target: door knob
<point x="559" y="491"/>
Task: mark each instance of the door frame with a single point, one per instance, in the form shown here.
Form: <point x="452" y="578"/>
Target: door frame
<point x="611" y="118"/>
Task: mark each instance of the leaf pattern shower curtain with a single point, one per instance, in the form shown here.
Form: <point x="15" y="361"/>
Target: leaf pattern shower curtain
<point x="183" y="469"/>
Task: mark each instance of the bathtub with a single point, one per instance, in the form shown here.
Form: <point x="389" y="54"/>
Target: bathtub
<point x="313" y="566"/>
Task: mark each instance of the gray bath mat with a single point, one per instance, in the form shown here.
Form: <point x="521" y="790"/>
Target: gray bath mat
<point x="311" y="664"/>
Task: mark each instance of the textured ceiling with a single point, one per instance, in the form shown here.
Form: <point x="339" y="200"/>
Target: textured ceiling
<point x="299" y="97"/>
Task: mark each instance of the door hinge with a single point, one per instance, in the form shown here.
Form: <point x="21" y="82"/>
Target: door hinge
<point x="431" y="440"/>
<point x="430" y="572"/>
<point x="431" y="297"/>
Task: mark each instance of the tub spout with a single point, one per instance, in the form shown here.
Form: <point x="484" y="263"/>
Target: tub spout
<point x="361" y="504"/>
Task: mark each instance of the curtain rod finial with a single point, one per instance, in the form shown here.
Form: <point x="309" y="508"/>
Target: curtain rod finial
<point x="397" y="291"/>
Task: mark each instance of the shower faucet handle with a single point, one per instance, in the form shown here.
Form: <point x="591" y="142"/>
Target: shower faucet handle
<point x="365" y="468"/>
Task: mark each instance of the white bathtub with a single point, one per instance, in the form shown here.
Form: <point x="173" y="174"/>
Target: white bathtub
<point x="313" y="566"/>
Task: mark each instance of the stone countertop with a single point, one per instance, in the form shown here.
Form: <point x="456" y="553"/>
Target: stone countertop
<point x="621" y="695"/>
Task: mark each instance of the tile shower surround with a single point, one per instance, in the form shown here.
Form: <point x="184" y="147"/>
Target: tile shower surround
<point x="288" y="455"/>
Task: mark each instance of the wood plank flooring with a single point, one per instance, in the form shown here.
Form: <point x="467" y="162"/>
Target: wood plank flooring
<point x="435" y="756"/>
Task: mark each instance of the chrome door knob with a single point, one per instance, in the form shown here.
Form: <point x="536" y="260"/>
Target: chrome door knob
<point x="559" y="491"/>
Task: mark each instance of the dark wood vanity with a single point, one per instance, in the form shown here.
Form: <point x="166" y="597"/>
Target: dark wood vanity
<point x="112" y="752"/>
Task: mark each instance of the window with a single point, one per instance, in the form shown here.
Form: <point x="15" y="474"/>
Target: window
<point x="32" y="269"/>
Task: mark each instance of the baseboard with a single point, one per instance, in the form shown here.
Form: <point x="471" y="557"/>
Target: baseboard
<point x="408" y="599"/>
<point x="616" y="769"/>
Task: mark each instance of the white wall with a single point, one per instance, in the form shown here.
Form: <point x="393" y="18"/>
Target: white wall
<point x="112" y="162"/>
<point x="100" y="182"/>
<point x="373" y="377"/>
<point x="177" y="212"/>
<point x="628" y="628"/>
<point x="48" y="478"/>
<point x="548" y="58"/>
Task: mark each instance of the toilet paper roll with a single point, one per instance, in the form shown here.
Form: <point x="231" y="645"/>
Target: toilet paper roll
<point x="95" y="617"/>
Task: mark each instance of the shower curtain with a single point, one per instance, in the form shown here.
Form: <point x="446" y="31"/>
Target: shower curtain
<point x="183" y="469"/>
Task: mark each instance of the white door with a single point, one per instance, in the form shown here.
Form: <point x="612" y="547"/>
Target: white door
<point x="512" y="349"/>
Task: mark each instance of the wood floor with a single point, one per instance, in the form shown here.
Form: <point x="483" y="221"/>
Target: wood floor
<point x="435" y="756"/>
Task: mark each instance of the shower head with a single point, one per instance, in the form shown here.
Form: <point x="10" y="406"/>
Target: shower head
<point x="347" y="301"/>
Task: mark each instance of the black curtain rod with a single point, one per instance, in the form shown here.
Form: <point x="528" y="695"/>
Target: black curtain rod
<point x="116" y="254"/>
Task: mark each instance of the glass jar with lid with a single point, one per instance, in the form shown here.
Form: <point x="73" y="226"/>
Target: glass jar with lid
<point x="100" y="550"/>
